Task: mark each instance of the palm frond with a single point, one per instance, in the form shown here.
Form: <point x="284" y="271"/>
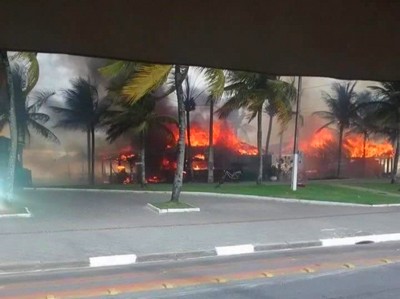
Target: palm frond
<point x="146" y="79"/>
<point x="325" y="126"/>
<point x="41" y="98"/>
<point x="41" y="117"/>
<point x="43" y="131"/>
<point x="234" y="103"/>
<point x="216" y="82"/>
<point x="115" y="67"/>
<point x="29" y="59"/>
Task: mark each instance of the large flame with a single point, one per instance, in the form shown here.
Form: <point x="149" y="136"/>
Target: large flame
<point x="223" y="136"/>
<point x="319" y="141"/>
<point x="354" y="145"/>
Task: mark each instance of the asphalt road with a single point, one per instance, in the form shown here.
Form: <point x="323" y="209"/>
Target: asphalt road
<point x="362" y="271"/>
<point x="73" y="226"/>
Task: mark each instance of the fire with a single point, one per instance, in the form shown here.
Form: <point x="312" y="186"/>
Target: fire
<point x="199" y="157"/>
<point x="154" y="179"/>
<point x="353" y="145"/>
<point x="223" y="136"/>
<point x="167" y="164"/>
<point x="319" y="141"/>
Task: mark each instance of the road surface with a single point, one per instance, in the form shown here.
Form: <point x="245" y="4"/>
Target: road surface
<point x="362" y="271"/>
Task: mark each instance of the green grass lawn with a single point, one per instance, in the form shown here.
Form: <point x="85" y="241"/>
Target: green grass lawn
<point x="313" y="191"/>
<point x="384" y="186"/>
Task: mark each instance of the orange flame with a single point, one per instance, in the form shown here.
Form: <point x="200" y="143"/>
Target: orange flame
<point x="199" y="165"/>
<point x="167" y="164"/>
<point x="223" y="136"/>
<point x="354" y="145"/>
<point x="199" y="157"/>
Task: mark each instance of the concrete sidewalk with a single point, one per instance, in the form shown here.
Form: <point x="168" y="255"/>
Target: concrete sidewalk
<point x="74" y="226"/>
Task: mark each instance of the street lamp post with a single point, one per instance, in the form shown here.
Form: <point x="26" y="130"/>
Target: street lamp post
<point x="296" y="138"/>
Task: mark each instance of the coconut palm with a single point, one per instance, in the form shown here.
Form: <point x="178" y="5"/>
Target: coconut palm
<point x="341" y="103"/>
<point x="387" y="116"/>
<point x="363" y="120"/>
<point x="254" y="91"/>
<point x="27" y="111"/>
<point x="279" y="105"/>
<point x="146" y="79"/>
<point x="215" y="79"/>
<point x="7" y="84"/>
<point x="82" y="110"/>
<point x="191" y="94"/>
<point x="136" y="119"/>
<point x="10" y="115"/>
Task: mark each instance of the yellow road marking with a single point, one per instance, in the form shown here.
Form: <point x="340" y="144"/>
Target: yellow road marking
<point x="267" y="274"/>
<point x="386" y="261"/>
<point x="308" y="270"/>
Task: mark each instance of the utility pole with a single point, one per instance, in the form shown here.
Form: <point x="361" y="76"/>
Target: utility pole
<point x="296" y="138"/>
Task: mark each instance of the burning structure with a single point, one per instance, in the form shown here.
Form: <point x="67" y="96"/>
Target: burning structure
<point x="229" y="152"/>
<point x="361" y="157"/>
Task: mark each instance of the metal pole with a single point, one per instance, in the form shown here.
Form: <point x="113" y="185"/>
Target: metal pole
<point x="296" y="138"/>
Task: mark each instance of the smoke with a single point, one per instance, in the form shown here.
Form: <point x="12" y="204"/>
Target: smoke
<point x="66" y="162"/>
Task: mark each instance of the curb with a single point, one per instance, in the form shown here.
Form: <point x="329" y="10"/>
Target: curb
<point x="129" y="259"/>
<point x="165" y="211"/>
<point x="27" y="214"/>
<point x="222" y="195"/>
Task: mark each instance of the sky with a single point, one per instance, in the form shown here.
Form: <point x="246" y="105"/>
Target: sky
<point x="57" y="70"/>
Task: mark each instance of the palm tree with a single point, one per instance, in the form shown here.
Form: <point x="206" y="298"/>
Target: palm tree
<point x="387" y="116"/>
<point x="15" y="108"/>
<point x="144" y="79"/>
<point x="341" y="109"/>
<point x="136" y="119"/>
<point x="279" y="104"/>
<point x="363" y="119"/>
<point x="27" y="111"/>
<point x="253" y="91"/>
<point x="82" y="111"/>
<point x="7" y="82"/>
<point x="191" y="94"/>
<point x="215" y="79"/>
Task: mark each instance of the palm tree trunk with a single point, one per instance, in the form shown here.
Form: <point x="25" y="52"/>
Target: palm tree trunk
<point x="178" y="179"/>
<point x="92" y="157"/>
<point x="88" y="155"/>
<point x="365" y="153"/>
<point x="341" y="129"/>
<point x="280" y="157"/>
<point x="143" y="160"/>
<point x="259" y="147"/>
<point x="267" y="141"/>
<point x="189" y="146"/>
<point x="396" y="161"/>
<point x="364" y="145"/>
<point x="210" y="164"/>
<point x="12" y="159"/>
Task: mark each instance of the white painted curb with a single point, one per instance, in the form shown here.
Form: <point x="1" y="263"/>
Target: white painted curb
<point x="358" y="239"/>
<point x="18" y="215"/>
<point x="165" y="211"/>
<point x="233" y="250"/>
<point x="112" y="260"/>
